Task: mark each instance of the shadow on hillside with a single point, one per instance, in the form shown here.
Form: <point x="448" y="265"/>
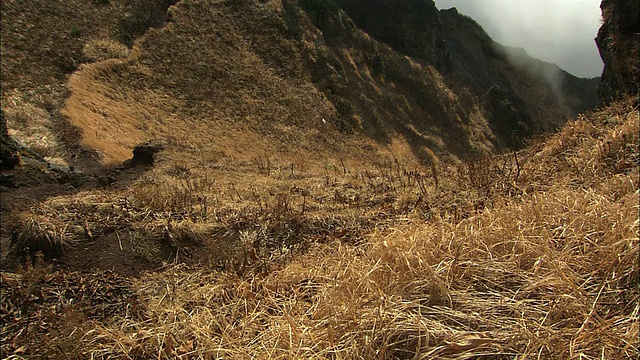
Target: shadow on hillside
<point x="26" y="187"/>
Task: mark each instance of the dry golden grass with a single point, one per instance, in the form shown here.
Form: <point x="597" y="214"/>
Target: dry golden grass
<point x="340" y="261"/>
<point x="273" y="235"/>
<point x="104" y="49"/>
<point x="30" y="119"/>
<point x="44" y="54"/>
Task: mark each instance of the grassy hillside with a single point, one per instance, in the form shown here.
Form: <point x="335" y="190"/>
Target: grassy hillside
<point x="262" y="73"/>
<point x="321" y="192"/>
<point x="227" y="69"/>
<point x="499" y="260"/>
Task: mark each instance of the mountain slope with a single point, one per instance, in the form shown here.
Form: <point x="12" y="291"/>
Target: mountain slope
<point x="505" y="258"/>
<point x="469" y="59"/>
<point x="296" y="207"/>
<point x="272" y="71"/>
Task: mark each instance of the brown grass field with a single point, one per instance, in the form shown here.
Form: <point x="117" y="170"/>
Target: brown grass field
<point x="332" y="260"/>
<point x="271" y="226"/>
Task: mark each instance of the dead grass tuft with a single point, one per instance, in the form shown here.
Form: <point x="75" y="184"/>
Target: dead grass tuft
<point x="104" y="49"/>
<point x="40" y="232"/>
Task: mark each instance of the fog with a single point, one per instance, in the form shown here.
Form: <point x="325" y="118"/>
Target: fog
<point x="560" y="32"/>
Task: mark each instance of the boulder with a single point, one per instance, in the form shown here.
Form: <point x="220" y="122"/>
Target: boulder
<point x="9" y="150"/>
<point x="144" y="154"/>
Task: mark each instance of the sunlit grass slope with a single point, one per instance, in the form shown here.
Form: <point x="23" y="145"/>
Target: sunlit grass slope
<point x="503" y="260"/>
<point x="236" y="77"/>
<point x="310" y="202"/>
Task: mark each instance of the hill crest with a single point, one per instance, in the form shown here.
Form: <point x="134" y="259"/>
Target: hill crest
<point x="259" y="67"/>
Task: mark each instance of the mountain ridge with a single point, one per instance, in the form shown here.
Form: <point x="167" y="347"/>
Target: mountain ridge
<point x="435" y="99"/>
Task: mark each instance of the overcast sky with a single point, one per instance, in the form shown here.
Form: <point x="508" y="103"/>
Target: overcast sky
<point x="556" y="31"/>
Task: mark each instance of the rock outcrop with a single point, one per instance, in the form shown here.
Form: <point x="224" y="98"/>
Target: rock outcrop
<point x="9" y="151"/>
<point x="619" y="44"/>
<point x="145" y="153"/>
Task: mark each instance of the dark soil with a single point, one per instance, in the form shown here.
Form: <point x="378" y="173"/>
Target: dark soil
<point x="32" y="183"/>
<point x="111" y="252"/>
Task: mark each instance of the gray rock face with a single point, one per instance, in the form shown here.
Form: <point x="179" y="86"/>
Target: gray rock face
<point x="407" y="25"/>
<point x="619" y="45"/>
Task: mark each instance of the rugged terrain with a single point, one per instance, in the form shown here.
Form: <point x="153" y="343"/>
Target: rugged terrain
<point x="247" y="67"/>
<point x="306" y="179"/>
<point x="619" y="44"/>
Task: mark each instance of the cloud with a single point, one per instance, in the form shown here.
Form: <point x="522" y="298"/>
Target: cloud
<point x="560" y="32"/>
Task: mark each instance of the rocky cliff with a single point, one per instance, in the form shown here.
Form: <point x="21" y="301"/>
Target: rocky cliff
<point x="619" y="44"/>
<point x="520" y="95"/>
